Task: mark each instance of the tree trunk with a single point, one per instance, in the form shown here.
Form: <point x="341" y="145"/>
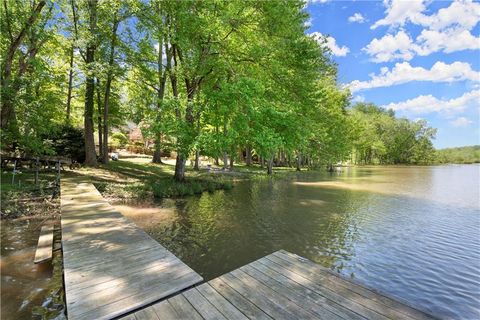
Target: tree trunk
<point x="108" y="86"/>
<point x="225" y="160"/>
<point x="231" y="163"/>
<point x="260" y="161"/>
<point x="216" y="161"/>
<point x="180" y="168"/>
<point x="90" y="154"/>
<point x="70" y="84"/>
<point x="196" y="166"/>
<point x="248" y="157"/>
<point x="299" y="161"/>
<point x="270" y="165"/>
<point x="225" y="155"/>
<point x="157" y="154"/>
<point x="162" y="78"/>
<point x="99" y="119"/>
<point x="181" y="159"/>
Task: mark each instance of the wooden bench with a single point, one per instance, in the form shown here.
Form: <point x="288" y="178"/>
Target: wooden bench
<point x="44" y="248"/>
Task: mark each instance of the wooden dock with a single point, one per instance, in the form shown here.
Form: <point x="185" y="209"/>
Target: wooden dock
<point x="279" y="286"/>
<point x="111" y="266"/>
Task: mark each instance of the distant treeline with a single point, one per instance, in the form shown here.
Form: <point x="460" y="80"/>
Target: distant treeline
<point x="381" y="138"/>
<point x="470" y="154"/>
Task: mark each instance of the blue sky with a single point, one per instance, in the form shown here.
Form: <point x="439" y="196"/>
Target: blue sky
<point x="419" y="58"/>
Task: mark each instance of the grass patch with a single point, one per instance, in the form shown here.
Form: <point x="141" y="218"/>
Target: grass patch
<point x="26" y="198"/>
<point x="138" y="178"/>
<point x="162" y="188"/>
<point x="169" y="188"/>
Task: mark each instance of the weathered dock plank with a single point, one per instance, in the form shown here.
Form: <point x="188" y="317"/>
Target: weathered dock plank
<point x="281" y="286"/>
<point x="44" y="247"/>
<point x="112" y="267"/>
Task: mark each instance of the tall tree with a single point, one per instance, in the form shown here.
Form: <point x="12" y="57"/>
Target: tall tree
<point x="90" y="153"/>
<point x="14" y="31"/>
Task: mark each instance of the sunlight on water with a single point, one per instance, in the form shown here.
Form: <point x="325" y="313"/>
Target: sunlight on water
<point x="411" y="232"/>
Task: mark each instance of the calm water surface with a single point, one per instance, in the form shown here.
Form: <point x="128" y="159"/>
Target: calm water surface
<point x="411" y="232"/>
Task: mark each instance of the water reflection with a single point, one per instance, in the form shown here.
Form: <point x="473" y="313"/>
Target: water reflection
<point x="412" y="232"/>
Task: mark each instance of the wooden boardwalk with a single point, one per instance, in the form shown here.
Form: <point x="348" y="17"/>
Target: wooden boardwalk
<point x="111" y="266"/>
<point x="279" y="286"/>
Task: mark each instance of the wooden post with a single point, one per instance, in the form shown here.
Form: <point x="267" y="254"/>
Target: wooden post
<point x="58" y="172"/>
<point x="14" y="171"/>
<point x="56" y="190"/>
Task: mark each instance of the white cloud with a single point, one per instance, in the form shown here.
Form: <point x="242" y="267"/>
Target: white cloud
<point x="398" y="12"/>
<point x="461" y="122"/>
<point x="401" y="47"/>
<point x="404" y="72"/>
<point x="391" y="47"/>
<point x="450" y="40"/>
<point x="448" y="30"/>
<point x="330" y="43"/>
<point x="428" y="104"/>
<point x="460" y="13"/>
<point x="357" y="17"/>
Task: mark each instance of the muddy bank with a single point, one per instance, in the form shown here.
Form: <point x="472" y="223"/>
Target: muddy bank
<point x="28" y="290"/>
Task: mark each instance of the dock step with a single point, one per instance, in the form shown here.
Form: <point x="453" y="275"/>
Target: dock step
<point x="44" y="247"/>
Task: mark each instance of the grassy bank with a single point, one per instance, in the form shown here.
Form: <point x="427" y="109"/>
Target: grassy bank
<point x="138" y="178"/>
<point x="129" y="178"/>
<point x="24" y="198"/>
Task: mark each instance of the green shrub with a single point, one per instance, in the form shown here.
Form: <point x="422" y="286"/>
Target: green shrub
<point x="169" y="188"/>
<point x="66" y="141"/>
<point x="119" y="140"/>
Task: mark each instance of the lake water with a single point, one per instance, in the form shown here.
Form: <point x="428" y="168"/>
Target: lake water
<point x="410" y="232"/>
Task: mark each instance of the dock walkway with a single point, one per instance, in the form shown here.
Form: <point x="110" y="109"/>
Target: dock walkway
<point x="111" y="266"/>
<point x="279" y="286"/>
